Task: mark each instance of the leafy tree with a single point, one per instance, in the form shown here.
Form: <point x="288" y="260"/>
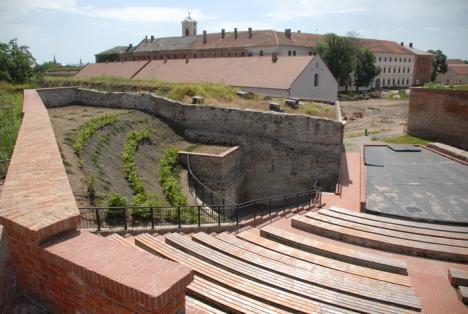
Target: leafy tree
<point x="16" y="62"/>
<point x="365" y="70"/>
<point x="339" y="55"/>
<point x="439" y="63"/>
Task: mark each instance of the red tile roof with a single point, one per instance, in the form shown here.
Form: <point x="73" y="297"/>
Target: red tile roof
<point x="383" y="46"/>
<point x="460" y="69"/>
<point x="116" y="69"/>
<point x="243" y="71"/>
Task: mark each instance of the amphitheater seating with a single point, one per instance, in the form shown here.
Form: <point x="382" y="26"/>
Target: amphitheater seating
<point x="193" y="306"/>
<point x="331" y="263"/>
<point x="280" y="280"/>
<point x="313" y="274"/>
<point x="340" y="253"/>
<point x="359" y="231"/>
<point x="459" y="279"/>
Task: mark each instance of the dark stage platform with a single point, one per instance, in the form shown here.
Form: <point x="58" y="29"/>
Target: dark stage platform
<point x="415" y="183"/>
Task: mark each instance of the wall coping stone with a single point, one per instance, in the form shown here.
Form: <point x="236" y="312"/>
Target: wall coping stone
<point x="136" y="274"/>
<point x="37" y="200"/>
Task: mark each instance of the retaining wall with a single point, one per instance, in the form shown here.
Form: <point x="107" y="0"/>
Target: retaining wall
<point x="281" y="153"/>
<point x="439" y="115"/>
<point x="73" y="271"/>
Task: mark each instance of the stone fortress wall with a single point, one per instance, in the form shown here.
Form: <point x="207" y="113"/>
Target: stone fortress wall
<point x="280" y="153"/>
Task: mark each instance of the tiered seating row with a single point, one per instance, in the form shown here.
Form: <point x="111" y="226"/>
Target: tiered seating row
<point x="459" y="279"/>
<point x="340" y="253"/>
<point x="358" y="231"/>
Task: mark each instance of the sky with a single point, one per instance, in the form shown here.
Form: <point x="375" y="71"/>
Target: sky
<point x="74" y="29"/>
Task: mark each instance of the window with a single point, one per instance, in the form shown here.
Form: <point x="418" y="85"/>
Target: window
<point x="380" y="59"/>
<point x="398" y="82"/>
<point x="385" y="59"/>
<point x="242" y="54"/>
<point x="310" y="53"/>
<point x="390" y="59"/>
<point x="289" y="52"/>
<point x="261" y="53"/>
<point x="175" y="56"/>
<point x="384" y="69"/>
<point x="186" y="32"/>
<point x="316" y="65"/>
<point x="383" y="82"/>
<point x="195" y="56"/>
<point x="398" y="69"/>
<point x="316" y="80"/>
<point x="394" y="70"/>
<point x="388" y="82"/>
<point x="229" y="54"/>
<point x="407" y="81"/>
<point x="393" y="81"/>
<point x="294" y="52"/>
<point x="405" y="59"/>
<point x="408" y="69"/>
<point x="400" y="59"/>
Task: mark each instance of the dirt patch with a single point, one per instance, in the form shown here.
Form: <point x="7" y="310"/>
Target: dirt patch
<point x="381" y="117"/>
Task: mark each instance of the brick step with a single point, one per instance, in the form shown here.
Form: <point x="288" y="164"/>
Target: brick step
<point x="381" y="242"/>
<point x="340" y="253"/>
<point x="288" y="284"/>
<point x="394" y="227"/>
<point x="458" y="277"/>
<point x="336" y="219"/>
<point x="313" y="274"/>
<point x="402" y="222"/>
<point x="194" y="306"/>
<point x="119" y="239"/>
<point x="252" y="237"/>
<point x="462" y="293"/>
<point x="252" y="289"/>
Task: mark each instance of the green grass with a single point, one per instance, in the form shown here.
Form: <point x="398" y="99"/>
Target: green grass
<point x="175" y="91"/>
<point x="406" y="139"/>
<point x="433" y="85"/>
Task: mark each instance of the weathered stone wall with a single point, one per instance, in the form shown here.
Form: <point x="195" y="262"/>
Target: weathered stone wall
<point x="440" y="115"/>
<point x="281" y="153"/>
<point x="222" y="173"/>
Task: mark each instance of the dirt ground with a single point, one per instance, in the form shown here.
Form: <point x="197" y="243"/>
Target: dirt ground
<point x="381" y="117"/>
<point x="102" y="154"/>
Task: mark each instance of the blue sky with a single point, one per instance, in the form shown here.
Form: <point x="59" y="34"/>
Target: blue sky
<point x="74" y="29"/>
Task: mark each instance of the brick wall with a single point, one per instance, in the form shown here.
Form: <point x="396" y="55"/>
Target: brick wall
<point x="73" y="271"/>
<point x="440" y="115"/>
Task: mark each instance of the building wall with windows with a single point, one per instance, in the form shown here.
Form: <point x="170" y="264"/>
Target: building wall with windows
<point x="457" y="74"/>
<point x="396" y="70"/>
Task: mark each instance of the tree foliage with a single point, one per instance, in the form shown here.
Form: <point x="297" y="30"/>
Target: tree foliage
<point x="365" y="69"/>
<point x="339" y="55"/>
<point x="16" y="62"/>
<point x="439" y="63"/>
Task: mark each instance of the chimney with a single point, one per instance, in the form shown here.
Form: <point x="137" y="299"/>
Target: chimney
<point x="250" y="32"/>
<point x="402" y="44"/>
<point x="411" y="45"/>
<point x="274" y="57"/>
<point x="152" y="38"/>
<point x="130" y="46"/>
<point x="235" y="33"/>
<point x="223" y="33"/>
<point x="204" y="37"/>
<point x="146" y="39"/>
<point x="287" y="32"/>
<point x="299" y="31"/>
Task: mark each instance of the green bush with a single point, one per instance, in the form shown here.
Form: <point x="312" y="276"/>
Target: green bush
<point x="143" y="199"/>
<point x="88" y="129"/>
<point x="116" y="200"/>
<point x="128" y="156"/>
<point x="91" y="187"/>
<point x="169" y="178"/>
<point x="11" y="107"/>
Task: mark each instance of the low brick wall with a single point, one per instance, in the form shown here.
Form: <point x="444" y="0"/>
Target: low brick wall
<point x="73" y="271"/>
<point x="439" y="115"/>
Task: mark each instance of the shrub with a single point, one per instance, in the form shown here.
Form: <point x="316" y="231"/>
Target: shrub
<point x="169" y="178"/>
<point x="92" y="189"/>
<point x="143" y="199"/>
<point x="116" y="200"/>
<point x="88" y="129"/>
<point x="128" y="156"/>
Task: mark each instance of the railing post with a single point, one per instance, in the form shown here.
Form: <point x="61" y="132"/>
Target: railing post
<point x="203" y="196"/>
<point x="199" y="222"/>
<point x="297" y="200"/>
<point x="152" y="218"/>
<point x="269" y="206"/>
<point x="98" y="220"/>
<point x="219" y="217"/>
<point x="284" y="205"/>
<point x="255" y="210"/>
<point x="125" y="216"/>
<point x="212" y="198"/>
<point x="178" y="215"/>
<point x="237" y="216"/>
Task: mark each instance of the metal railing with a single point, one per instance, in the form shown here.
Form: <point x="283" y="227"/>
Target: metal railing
<point x="212" y="209"/>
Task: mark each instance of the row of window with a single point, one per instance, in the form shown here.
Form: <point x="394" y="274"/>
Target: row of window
<point x="395" y="59"/>
<point x="176" y="56"/>
<point x="395" y="82"/>
<point x="395" y="68"/>
<point x="291" y="53"/>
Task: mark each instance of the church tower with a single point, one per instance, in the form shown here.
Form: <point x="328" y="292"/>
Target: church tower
<point x="189" y="27"/>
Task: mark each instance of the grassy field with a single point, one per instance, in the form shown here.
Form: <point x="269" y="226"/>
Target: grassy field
<point x="214" y="94"/>
<point x="443" y="86"/>
<point x="406" y="139"/>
